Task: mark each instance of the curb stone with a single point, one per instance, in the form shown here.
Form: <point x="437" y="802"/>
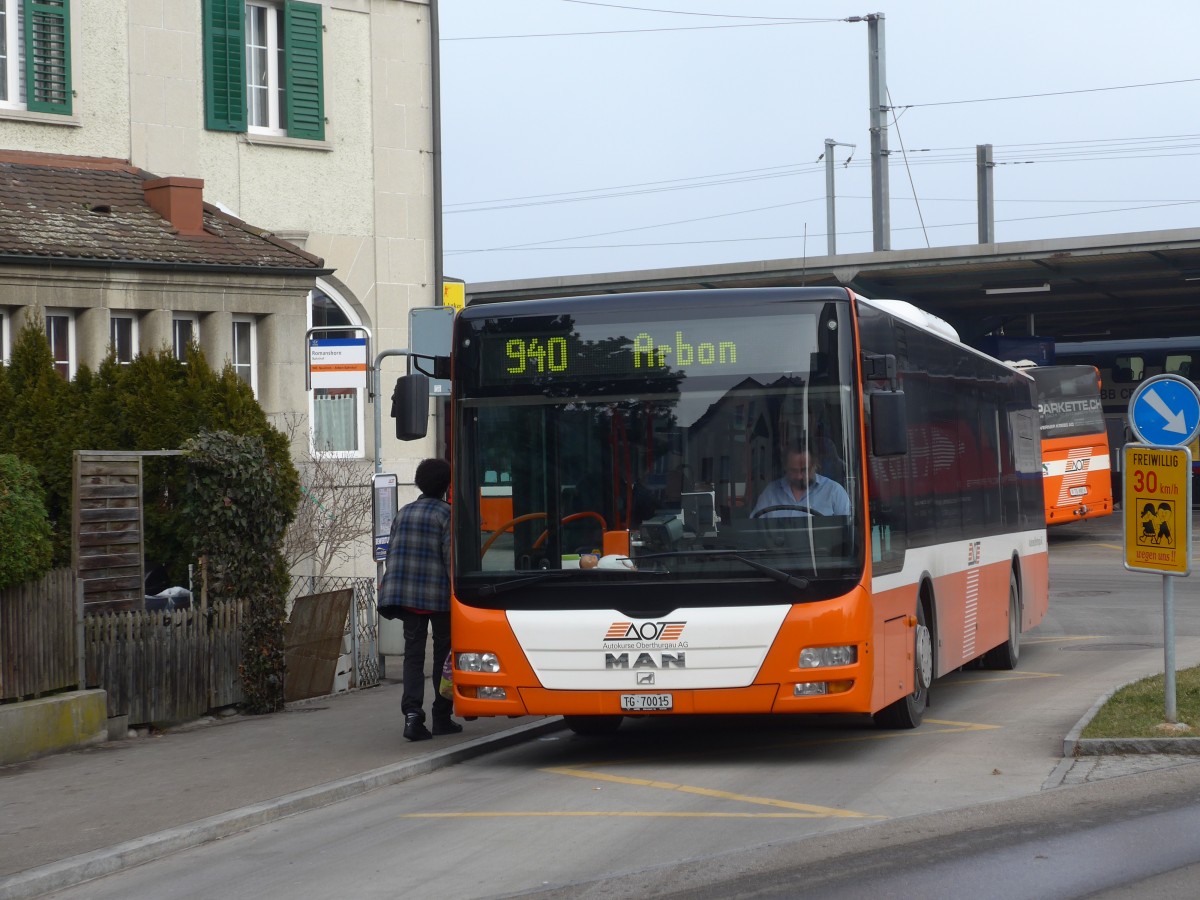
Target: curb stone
<point x="1074" y="746"/>
<point x="85" y="867"/>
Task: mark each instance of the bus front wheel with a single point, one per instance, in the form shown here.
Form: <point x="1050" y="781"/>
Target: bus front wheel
<point x="909" y="710"/>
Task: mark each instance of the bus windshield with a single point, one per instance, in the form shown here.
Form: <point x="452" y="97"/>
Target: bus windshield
<point x="644" y="446"/>
<point x="1068" y="401"/>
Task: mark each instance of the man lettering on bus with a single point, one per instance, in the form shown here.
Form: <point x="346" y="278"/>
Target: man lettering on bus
<point x="802" y="486"/>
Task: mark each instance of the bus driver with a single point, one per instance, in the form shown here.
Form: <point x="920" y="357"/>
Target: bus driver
<point x="802" y="486"/>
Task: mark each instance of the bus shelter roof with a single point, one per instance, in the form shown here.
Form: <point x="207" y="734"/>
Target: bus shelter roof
<point x="1135" y="285"/>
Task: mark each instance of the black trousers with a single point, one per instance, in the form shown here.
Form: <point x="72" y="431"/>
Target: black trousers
<point x="416" y="631"/>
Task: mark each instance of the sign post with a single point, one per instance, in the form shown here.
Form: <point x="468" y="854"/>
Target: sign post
<point x="1164" y="414"/>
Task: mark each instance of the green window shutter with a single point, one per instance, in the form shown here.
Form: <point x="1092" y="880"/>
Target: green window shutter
<point x="48" y="56"/>
<point x="305" y="74"/>
<point x="224" y="65"/>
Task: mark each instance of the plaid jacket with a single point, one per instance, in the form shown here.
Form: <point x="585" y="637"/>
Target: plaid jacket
<point x="418" y="558"/>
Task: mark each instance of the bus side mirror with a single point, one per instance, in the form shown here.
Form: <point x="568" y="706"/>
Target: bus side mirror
<point x="410" y="406"/>
<point x="889" y="424"/>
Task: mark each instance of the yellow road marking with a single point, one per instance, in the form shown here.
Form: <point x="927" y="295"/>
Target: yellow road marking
<point x="796" y="810"/>
<point x="807" y="808"/>
<point x="948" y="728"/>
<point x="994" y="677"/>
<point x="621" y="815"/>
<point x="960" y="726"/>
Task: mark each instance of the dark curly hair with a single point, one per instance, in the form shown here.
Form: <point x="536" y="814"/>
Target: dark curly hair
<point x="433" y="477"/>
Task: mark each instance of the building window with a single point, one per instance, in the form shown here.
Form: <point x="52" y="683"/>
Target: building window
<point x="264" y="67"/>
<point x="245" y="352"/>
<point x="123" y="338"/>
<point x="35" y="55"/>
<point x="336" y="414"/>
<point x="265" y="92"/>
<point x="60" y="332"/>
<point x="184" y="330"/>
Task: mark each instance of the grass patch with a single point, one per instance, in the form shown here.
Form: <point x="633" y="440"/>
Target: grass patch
<point x="1136" y="710"/>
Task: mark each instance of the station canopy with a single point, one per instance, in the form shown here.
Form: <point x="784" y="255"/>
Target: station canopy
<point x="1137" y="285"/>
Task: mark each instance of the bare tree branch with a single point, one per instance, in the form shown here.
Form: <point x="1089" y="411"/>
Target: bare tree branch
<point x="334" y="516"/>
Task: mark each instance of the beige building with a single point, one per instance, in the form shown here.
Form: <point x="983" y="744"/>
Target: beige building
<point x="311" y="121"/>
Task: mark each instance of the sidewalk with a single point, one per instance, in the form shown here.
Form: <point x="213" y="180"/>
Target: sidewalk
<point x="73" y="816"/>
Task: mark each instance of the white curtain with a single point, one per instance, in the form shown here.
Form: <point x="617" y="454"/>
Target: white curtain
<point x="335" y="420"/>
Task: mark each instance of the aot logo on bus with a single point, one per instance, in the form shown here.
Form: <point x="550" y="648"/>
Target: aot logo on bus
<point x="645" y="631"/>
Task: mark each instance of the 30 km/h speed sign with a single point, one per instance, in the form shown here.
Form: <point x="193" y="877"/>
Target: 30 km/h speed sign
<point x="1158" y="509"/>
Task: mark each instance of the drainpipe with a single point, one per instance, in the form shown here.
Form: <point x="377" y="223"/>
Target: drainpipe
<point x="435" y="80"/>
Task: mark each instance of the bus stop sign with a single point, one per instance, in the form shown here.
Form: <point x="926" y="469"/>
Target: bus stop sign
<point x="1165" y="411"/>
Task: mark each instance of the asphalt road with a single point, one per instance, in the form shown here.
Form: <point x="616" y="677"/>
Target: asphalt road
<point x="966" y="804"/>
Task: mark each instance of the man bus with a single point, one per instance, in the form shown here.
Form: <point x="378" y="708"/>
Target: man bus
<point x="636" y="576"/>
<point x="1076" y="475"/>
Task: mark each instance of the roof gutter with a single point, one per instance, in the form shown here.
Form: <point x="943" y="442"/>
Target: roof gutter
<point x="157" y="265"/>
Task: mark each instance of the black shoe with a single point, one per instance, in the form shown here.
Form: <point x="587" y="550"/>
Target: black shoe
<point x="446" y="726"/>
<point x="414" y="728"/>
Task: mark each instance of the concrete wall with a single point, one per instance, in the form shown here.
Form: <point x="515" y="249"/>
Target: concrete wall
<point x="93" y="294"/>
<point x="52" y="724"/>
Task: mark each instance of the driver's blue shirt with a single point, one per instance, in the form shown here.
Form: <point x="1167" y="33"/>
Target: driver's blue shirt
<point x="825" y="497"/>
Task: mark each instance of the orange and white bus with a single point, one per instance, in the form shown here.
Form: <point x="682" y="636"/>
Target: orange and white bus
<point x="1076" y="474"/>
<point x="636" y="576"/>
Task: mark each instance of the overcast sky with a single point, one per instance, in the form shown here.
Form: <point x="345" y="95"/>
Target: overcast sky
<point x="591" y="137"/>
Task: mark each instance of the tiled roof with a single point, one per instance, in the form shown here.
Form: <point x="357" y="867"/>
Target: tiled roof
<point x="82" y="208"/>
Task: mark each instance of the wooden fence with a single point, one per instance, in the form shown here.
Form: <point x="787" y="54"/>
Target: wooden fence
<point x="154" y="666"/>
<point x="106" y="528"/>
<point x="38" y="637"/>
<point x="165" y="666"/>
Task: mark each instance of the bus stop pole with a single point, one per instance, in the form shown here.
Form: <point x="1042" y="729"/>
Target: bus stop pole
<point x="373" y="397"/>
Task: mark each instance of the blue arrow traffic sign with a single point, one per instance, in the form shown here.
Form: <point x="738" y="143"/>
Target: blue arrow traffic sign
<point x="1165" y="411"/>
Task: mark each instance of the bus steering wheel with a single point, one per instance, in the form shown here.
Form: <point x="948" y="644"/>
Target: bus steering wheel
<point x="793" y="507"/>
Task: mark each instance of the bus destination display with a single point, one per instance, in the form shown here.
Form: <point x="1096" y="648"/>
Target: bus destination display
<point x="695" y="348"/>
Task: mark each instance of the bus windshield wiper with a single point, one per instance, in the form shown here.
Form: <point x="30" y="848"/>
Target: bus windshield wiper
<point x="490" y="590"/>
<point x="770" y="571"/>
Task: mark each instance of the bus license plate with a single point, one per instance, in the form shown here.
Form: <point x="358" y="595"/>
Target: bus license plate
<point x="645" y="702"/>
<point x="1078" y="491"/>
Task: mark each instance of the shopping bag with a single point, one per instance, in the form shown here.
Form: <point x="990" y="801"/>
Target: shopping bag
<point x="446" y="686"/>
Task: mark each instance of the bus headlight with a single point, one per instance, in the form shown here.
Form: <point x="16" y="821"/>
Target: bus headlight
<point x="819" y="657"/>
<point x="478" y="662"/>
<point x="820" y="688"/>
